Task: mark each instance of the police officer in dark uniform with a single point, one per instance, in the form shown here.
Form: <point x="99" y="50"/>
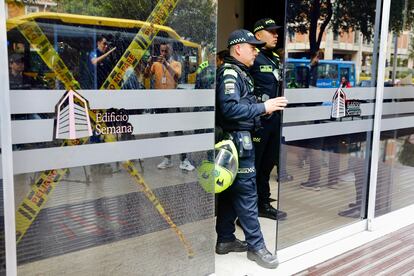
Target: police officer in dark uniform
<point x="238" y="113"/>
<point x="266" y="73"/>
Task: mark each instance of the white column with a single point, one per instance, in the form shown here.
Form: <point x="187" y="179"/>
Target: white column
<point x="6" y="151"/>
<point x="378" y="114"/>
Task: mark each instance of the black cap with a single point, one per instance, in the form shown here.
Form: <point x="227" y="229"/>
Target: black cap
<point x="243" y="36"/>
<point x="16" y="57"/>
<point x="265" y="24"/>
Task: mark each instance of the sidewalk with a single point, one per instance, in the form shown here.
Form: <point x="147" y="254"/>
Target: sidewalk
<point x="392" y="254"/>
<point x="378" y="254"/>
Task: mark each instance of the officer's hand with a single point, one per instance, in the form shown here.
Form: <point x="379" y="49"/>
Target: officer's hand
<point x="275" y="104"/>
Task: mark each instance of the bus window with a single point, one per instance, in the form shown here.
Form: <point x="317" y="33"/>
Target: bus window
<point x="74" y="38"/>
<point x="327" y="75"/>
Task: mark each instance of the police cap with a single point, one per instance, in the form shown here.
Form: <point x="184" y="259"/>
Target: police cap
<point x="265" y="24"/>
<point x="243" y="36"/>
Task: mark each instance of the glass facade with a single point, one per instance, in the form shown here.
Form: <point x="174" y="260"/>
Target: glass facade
<point x="328" y="124"/>
<point x="395" y="166"/>
<point x="2" y="235"/>
<point x="95" y="85"/>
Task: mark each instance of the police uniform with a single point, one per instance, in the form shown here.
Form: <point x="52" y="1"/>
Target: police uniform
<point x="266" y="73"/>
<point x="237" y="112"/>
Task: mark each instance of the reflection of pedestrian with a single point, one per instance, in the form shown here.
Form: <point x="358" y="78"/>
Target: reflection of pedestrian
<point x="18" y="80"/>
<point x="220" y="57"/>
<point x="266" y="73"/>
<point x="406" y="155"/>
<point x="237" y="114"/>
<point x="100" y="60"/>
<point x="164" y="69"/>
<point x="313" y="69"/>
<point x="206" y="74"/>
<point x="344" y="83"/>
<point x="166" y="72"/>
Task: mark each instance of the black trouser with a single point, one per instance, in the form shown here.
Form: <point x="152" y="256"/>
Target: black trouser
<point x="267" y="144"/>
<point x="240" y="200"/>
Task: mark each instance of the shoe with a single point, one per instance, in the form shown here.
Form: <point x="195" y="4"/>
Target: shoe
<point x="334" y="186"/>
<point x="309" y="186"/>
<point x="351" y="213"/>
<point x="186" y="165"/>
<point x="353" y="205"/>
<point x="263" y="258"/>
<point x="268" y="211"/>
<point x="285" y="178"/>
<point x="234" y="246"/>
<point x="166" y="163"/>
<point x="349" y="177"/>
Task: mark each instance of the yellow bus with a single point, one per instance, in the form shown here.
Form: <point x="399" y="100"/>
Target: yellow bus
<point x="74" y="38"/>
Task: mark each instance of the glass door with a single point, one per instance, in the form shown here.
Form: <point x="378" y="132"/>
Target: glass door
<point x="396" y="166"/>
<point x="327" y="127"/>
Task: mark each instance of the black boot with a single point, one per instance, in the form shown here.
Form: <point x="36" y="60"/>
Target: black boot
<point x="268" y="211"/>
<point x="234" y="246"/>
<point x="263" y="258"/>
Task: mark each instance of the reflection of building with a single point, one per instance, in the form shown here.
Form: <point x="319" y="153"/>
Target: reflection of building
<point x="21" y="7"/>
<point x="350" y="46"/>
<point x="72" y="117"/>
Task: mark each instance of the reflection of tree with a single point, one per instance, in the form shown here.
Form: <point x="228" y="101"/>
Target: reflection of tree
<point x="193" y="19"/>
<point x="196" y="20"/>
<point x="130" y="9"/>
<point x="313" y="16"/>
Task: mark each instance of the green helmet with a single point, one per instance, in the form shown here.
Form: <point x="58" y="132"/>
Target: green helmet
<point x="217" y="176"/>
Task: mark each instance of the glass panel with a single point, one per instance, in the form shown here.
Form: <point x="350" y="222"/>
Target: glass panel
<point x="326" y="130"/>
<point x="396" y="166"/>
<point x="2" y="243"/>
<point x="77" y="198"/>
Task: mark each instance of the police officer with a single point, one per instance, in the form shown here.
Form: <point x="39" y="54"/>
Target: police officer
<point x="238" y="113"/>
<point x="266" y="73"/>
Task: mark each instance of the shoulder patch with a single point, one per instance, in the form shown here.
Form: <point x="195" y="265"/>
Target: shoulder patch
<point x="229" y="88"/>
<point x="229" y="80"/>
<point x="266" y="68"/>
<point x="230" y="72"/>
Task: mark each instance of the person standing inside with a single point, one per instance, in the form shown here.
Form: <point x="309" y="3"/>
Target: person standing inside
<point x="266" y="73"/>
<point x="166" y="72"/>
<point x="238" y="113"/>
<point x="344" y="83"/>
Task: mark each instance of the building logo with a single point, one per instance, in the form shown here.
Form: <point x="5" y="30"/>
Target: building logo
<point x="342" y="107"/>
<point x="72" y="117"/>
<point x="338" y="104"/>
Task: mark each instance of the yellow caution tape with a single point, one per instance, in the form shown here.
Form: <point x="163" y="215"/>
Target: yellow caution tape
<point x="44" y="185"/>
<point x="32" y="204"/>
<point x="139" y="44"/>
<point x="32" y="32"/>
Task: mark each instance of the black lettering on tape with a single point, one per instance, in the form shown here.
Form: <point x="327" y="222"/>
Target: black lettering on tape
<point x="25" y="214"/>
<point x="28" y="208"/>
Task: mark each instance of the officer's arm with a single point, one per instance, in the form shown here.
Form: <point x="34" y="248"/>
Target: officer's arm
<point x="229" y="101"/>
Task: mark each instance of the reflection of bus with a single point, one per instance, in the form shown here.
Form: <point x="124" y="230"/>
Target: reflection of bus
<point x="329" y="73"/>
<point x="74" y="38"/>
